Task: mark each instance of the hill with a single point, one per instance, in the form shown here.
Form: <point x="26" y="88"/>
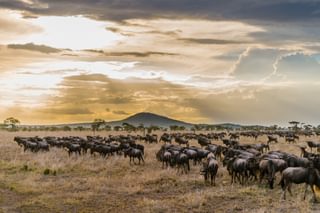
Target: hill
<point x="150" y="119"/>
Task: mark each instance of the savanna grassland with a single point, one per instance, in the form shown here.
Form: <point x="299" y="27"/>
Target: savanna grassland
<point x="54" y="182"/>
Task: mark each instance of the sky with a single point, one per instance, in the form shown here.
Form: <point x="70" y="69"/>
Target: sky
<point x="204" y="61"/>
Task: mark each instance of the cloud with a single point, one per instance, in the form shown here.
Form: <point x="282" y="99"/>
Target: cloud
<point x="120" y="10"/>
<point x="261" y="104"/>
<point x="211" y="41"/>
<point x="102" y="94"/>
<point x="13" y="28"/>
<point x="120" y="112"/>
<point x="34" y="47"/>
<point x="298" y="67"/>
<point x="69" y="111"/>
<point x="139" y="54"/>
<point x="132" y="54"/>
<point x="256" y="64"/>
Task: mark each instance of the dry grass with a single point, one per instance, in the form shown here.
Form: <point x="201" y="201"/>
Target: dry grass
<point x="94" y="184"/>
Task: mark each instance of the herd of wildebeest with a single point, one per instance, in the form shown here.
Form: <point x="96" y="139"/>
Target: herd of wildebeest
<point x="245" y="163"/>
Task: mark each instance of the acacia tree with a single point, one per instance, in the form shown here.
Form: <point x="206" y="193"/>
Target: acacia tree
<point x="294" y="125"/>
<point x="141" y="128"/>
<point x="97" y="123"/>
<point x="12" y="123"/>
<point x="128" y="127"/>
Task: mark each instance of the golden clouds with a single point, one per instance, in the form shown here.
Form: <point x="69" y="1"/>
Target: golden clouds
<point x="84" y="97"/>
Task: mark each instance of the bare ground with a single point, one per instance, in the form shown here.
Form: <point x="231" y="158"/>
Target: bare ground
<point x="93" y="184"/>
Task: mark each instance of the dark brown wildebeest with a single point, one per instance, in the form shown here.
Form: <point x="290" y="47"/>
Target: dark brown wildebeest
<point x="73" y="147"/>
<point x="297" y="175"/>
<point x="271" y="167"/>
<point x="181" y="140"/>
<point x="182" y="160"/>
<point x="272" y="139"/>
<point x="134" y="153"/>
<point x="203" y="141"/>
<point x="313" y="144"/>
<point x="210" y="168"/>
<point x="166" y="138"/>
<point x="290" y="139"/>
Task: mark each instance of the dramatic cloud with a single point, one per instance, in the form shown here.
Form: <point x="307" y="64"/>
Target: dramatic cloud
<point x="211" y="41"/>
<point x="210" y="9"/>
<point x="266" y="105"/>
<point x="120" y="112"/>
<point x="34" y="47"/>
<point x="97" y="95"/>
<point x="245" y="61"/>
<point x="298" y="67"/>
<point x="256" y="64"/>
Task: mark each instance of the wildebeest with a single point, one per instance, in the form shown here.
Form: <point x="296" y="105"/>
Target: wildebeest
<point x="271" y="167"/>
<point x="203" y="141"/>
<point x="73" y="148"/>
<point x="180" y="140"/>
<point x="210" y="169"/>
<point x="134" y="153"/>
<point x="238" y="169"/>
<point x="182" y="161"/>
<point x="290" y="139"/>
<point x="165" y="138"/>
<point x="272" y="139"/>
<point x="297" y="175"/>
<point x="313" y="144"/>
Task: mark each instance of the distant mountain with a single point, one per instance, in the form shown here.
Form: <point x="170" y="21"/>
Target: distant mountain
<point x="150" y="119"/>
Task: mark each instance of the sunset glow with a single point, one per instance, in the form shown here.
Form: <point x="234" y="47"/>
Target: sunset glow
<point x="203" y="65"/>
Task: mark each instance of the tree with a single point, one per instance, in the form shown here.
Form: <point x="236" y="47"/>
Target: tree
<point x="128" y="127"/>
<point x="181" y="128"/>
<point x="141" y="128"/>
<point x="79" y="128"/>
<point x="273" y="127"/>
<point x="97" y="123"/>
<point x="294" y="125"/>
<point x="117" y="128"/>
<point x="66" y="128"/>
<point x="11" y="123"/>
<point x="174" y="128"/>
<point x="197" y="127"/>
<point x="107" y="127"/>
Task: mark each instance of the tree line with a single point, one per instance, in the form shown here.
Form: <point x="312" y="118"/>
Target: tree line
<point x="98" y="124"/>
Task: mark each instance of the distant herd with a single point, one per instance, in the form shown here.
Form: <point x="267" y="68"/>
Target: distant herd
<point x="245" y="163"/>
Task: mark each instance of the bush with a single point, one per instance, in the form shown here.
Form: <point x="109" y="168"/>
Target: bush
<point x="46" y="172"/>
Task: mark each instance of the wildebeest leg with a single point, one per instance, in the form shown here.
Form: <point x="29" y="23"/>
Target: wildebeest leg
<point x="233" y="177"/>
<point x="142" y="159"/>
<point x="289" y="188"/>
<point x="284" y="191"/>
<point x="314" y="194"/>
<point x="305" y="191"/>
<point x="261" y="176"/>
